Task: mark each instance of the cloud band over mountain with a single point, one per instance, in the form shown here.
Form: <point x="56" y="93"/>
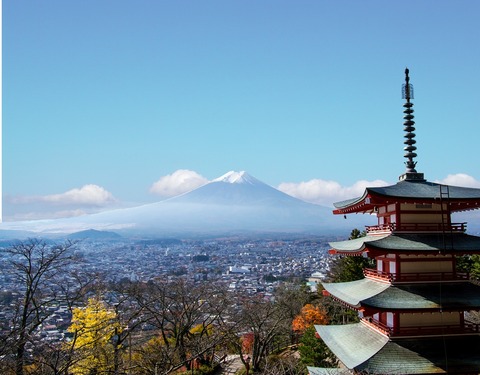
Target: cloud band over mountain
<point x="92" y="198"/>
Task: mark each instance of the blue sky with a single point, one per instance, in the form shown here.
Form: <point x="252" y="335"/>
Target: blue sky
<point x="115" y="103"/>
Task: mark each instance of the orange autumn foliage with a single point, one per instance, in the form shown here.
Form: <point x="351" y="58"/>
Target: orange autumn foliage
<point x="309" y="315"/>
<point x="247" y="342"/>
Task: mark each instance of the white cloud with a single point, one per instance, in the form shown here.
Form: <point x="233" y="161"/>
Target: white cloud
<point x="89" y="195"/>
<point x="43" y="214"/>
<point x="460" y="179"/>
<point x="75" y="202"/>
<point x="179" y="182"/>
<point x="325" y="192"/>
<point x="93" y="198"/>
<point x="316" y="191"/>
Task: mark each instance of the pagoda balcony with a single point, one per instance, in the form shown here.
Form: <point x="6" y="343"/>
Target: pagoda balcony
<point x="452" y="329"/>
<point x="378" y="275"/>
<point x="378" y="326"/>
<point x="416" y="227"/>
<point x="414" y="276"/>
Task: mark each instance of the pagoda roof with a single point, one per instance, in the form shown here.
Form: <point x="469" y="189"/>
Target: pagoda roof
<point x="425" y="296"/>
<point x="361" y="348"/>
<point x="458" y="243"/>
<point x="353" y="292"/>
<point x="327" y="371"/>
<point x="454" y="296"/>
<point x="436" y="355"/>
<point x="461" y="198"/>
<point x="353" y="344"/>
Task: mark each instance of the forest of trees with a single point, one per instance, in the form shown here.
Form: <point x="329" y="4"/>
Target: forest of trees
<point x="162" y="326"/>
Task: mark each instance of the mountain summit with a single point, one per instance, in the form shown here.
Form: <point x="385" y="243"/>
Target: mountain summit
<point x="231" y="204"/>
<point x="233" y="177"/>
<point x="237" y="189"/>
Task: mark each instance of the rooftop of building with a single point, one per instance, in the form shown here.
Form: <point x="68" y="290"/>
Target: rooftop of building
<point x="427" y="243"/>
<point x="460" y="198"/>
<point x="457" y="296"/>
<point x="375" y="353"/>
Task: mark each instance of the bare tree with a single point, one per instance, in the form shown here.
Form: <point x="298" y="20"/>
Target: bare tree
<point x="131" y="318"/>
<point x="188" y="319"/>
<point x="285" y="364"/>
<point x="38" y="267"/>
<point x="265" y="324"/>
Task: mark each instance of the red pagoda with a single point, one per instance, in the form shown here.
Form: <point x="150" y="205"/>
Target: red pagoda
<point x="414" y="305"/>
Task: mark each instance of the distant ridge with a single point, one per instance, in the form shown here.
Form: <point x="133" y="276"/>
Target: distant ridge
<point x="233" y="203"/>
<point x="93" y="234"/>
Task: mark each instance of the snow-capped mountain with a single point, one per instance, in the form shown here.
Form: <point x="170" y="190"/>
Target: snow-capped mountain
<point x="233" y="203"/>
<point x="237" y="178"/>
<point x="237" y="188"/>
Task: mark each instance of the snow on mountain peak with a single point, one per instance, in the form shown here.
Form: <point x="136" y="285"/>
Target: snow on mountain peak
<point x="233" y="177"/>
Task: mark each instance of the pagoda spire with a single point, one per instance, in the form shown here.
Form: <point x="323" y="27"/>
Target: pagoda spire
<point x="409" y="127"/>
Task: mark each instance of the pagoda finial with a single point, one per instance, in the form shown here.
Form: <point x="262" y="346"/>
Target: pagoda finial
<point x="410" y="154"/>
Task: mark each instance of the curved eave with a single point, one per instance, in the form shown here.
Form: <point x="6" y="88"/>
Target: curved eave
<point x="459" y="198"/>
<point x="426" y="297"/>
<point x="425" y="243"/>
<point x="327" y="371"/>
<point x="434" y="355"/>
<point x="461" y="206"/>
<point x="368" y="206"/>
<point x="353" y="344"/>
<point x="371" y="294"/>
<point x="359" y="204"/>
<point x="353" y="292"/>
<point x="398" y="243"/>
<point x="354" y="247"/>
<point x="361" y="348"/>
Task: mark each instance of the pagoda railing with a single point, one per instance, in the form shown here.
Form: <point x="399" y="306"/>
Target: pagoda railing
<point x="381" y="228"/>
<point x="417" y="227"/>
<point x="378" y="275"/>
<point x="430" y="276"/>
<point x="375" y="324"/>
<point x="448" y="329"/>
<point x="414" y="276"/>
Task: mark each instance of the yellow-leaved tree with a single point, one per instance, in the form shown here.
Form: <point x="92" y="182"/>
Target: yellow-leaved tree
<point x="93" y="328"/>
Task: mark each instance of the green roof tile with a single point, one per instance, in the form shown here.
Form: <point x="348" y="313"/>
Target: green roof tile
<point x="352" y="292"/>
<point x="414" y="189"/>
<point x="361" y="348"/>
<point x="327" y="371"/>
<point x="357" y="244"/>
<point x="455" y="296"/>
<point x="353" y="344"/>
<point x="438" y="355"/>
<point x="434" y="242"/>
<point x="380" y="295"/>
<point x="425" y="189"/>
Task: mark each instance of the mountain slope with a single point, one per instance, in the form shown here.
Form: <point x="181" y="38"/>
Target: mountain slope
<point x="233" y="203"/>
<point x="237" y="188"/>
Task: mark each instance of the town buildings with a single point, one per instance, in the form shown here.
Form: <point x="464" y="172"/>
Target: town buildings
<point x="259" y="266"/>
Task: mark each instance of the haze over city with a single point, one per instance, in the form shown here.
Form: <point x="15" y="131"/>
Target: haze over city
<point x="119" y="103"/>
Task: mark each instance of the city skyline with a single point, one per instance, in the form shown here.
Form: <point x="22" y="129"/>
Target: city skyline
<point x="116" y="104"/>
